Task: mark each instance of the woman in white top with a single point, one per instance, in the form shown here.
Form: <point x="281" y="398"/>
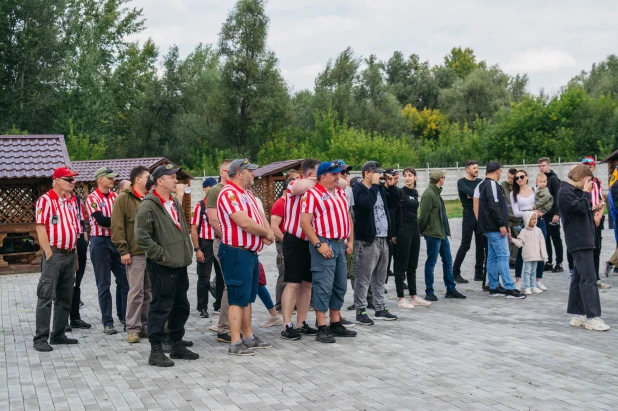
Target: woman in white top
<point x="523" y="199"/>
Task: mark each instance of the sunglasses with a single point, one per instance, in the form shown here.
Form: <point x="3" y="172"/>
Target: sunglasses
<point x="68" y="179"/>
<point x="344" y="172"/>
<point x="246" y="161"/>
<point x="588" y="161"/>
<point x="520" y="177"/>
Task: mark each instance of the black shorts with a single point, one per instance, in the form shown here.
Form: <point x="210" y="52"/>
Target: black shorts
<point x="297" y="259"/>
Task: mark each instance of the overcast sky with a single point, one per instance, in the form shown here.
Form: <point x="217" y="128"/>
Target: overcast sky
<point x="551" y="41"/>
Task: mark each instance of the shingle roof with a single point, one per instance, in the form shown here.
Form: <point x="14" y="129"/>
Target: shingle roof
<point x="277" y="167"/>
<point x="33" y="156"/>
<point x="123" y="167"/>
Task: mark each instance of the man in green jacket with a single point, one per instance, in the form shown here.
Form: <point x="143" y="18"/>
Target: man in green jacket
<point x="433" y="225"/>
<point x="131" y="255"/>
<point x="161" y="231"/>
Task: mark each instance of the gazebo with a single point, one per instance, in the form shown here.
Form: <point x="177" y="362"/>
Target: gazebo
<point x="268" y="183"/>
<point x="26" y="166"/>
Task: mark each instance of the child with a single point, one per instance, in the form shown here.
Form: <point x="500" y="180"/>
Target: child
<point x="533" y="251"/>
<point x="544" y="200"/>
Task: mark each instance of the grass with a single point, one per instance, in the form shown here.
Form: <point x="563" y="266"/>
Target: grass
<point x="453" y="208"/>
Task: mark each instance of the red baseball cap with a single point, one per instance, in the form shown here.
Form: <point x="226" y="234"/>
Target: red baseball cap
<point x="589" y="160"/>
<point x="63" y="172"/>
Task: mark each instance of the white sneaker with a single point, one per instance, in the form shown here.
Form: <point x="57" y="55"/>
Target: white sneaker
<point x="578" y="321"/>
<point x="596" y="324"/>
<point x="541" y="286"/>
<point x="272" y="321"/>
<point x="536" y="290"/>
<point x="518" y="285"/>
<point x="420" y="301"/>
<point x="603" y="286"/>
<point x="528" y="291"/>
<point x="404" y="305"/>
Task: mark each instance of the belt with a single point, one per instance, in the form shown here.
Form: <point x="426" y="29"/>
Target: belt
<point x="241" y="248"/>
<point x="63" y="251"/>
<point x="335" y="241"/>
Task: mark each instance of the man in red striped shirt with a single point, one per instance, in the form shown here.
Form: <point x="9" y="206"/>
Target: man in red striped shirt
<point x="297" y="257"/>
<point x="104" y="256"/>
<point x="325" y="220"/>
<point x="57" y="227"/>
<point x="202" y="237"/>
<point x="244" y="232"/>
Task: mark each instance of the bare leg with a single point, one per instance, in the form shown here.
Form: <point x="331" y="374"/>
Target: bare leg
<point x="335" y="316"/>
<point x="246" y="322"/>
<point x="235" y="318"/>
<point x="321" y="317"/>
<point x="288" y="301"/>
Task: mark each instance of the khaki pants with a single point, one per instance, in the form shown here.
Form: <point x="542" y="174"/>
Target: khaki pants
<point x="140" y="294"/>
<point x="224" y="325"/>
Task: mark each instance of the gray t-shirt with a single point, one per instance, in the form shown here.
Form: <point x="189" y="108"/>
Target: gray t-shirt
<point x="379" y="215"/>
<point x="348" y="192"/>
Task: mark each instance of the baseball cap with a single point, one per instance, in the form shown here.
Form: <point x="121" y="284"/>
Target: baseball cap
<point x="391" y="171"/>
<point x="240" y="164"/>
<point x="166" y="169"/>
<point x="372" y="166"/>
<point x="589" y="160"/>
<point x="63" y="172"/>
<point x="435" y="175"/>
<point x="493" y="166"/>
<point x="330" y="167"/>
<point x="105" y="172"/>
<point x="209" y="182"/>
<point x="344" y="166"/>
<point x="357" y="180"/>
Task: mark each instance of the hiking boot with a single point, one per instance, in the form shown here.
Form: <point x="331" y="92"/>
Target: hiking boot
<point x="42" y="346"/>
<point x="363" y="319"/>
<point x="307" y="329"/>
<point x="157" y="358"/>
<point x="596" y="324"/>
<point x="455" y="294"/>
<point x="109" y="330"/>
<point x="224" y="338"/>
<point x="240" y="349"/>
<point x="80" y="324"/>
<point x="460" y="280"/>
<point x="431" y="297"/>
<point x="133" y="338"/>
<point x="256" y="343"/>
<point x="290" y="333"/>
<point x="324" y="335"/>
<point x="338" y="330"/>
<point x="514" y="294"/>
<point x="204" y="313"/>
<point x="384" y="315"/>
<point x="143" y="333"/>
<point x="187" y="343"/>
<point x="62" y="339"/>
<point x="180" y="352"/>
<point x="558" y="269"/>
<point x="578" y="321"/>
<point x="166" y="346"/>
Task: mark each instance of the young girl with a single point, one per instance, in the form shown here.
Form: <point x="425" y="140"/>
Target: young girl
<point x="534" y="252"/>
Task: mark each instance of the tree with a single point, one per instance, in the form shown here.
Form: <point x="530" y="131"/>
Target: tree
<point x="462" y="61"/>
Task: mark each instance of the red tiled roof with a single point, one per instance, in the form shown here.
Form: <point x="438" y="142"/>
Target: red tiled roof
<point x="32" y="156"/>
<point x="277" y="167"/>
<point x="123" y="167"/>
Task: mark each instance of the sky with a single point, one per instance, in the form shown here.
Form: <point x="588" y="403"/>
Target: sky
<point x="551" y="41"/>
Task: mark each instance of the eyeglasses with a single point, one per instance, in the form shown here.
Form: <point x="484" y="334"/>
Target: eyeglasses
<point x="521" y="177"/>
<point x="246" y="161"/>
<point x="68" y="179"/>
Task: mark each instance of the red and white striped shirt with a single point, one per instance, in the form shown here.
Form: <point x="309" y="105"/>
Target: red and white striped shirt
<point x="170" y="207"/>
<point x="292" y="213"/>
<point x="205" y="230"/>
<point x="234" y="199"/>
<point x="97" y="201"/>
<point x="596" y="193"/>
<point x="80" y="213"/>
<point x="331" y="218"/>
<point x="59" y="218"/>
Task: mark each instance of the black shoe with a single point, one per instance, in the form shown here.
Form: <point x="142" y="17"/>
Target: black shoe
<point x="180" y="352"/>
<point x="166" y="347"/>
<point x="157" y="358"/>
<point x="558" y="269"/>
<point x="204" y="313"/>
<point x="187" y="343"/>
<point x="290" y="333"/>
<point x="384" y="315"/>
<point x="460" y="280"/>
<point x="363" y="319"/>
<point x="324" y="335"/>
<point x="514" y="294"/>
<point x="81" y="304"/>
<point x="548" y="267"/>
<point x="455" y="294"/>
<point x="307" y="329"/>
<point x="42" y="346"/>
<point x="338" y="330"/>
<point x="346" y="323"/>
<point x="62" y="339"/>
<point x="80" y="324"/>
<point x="352" y="307"/>
<point x="224" y="338"/>
<point x="485" y="288"/>
<point x="431" y="297"/>
<point x="498" y="292"/>
<point x="68" y="328"/>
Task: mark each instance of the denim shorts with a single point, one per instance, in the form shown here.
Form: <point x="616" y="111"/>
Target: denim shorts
<point x="241" y="273"/>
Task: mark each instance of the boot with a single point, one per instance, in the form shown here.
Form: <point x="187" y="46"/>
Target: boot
<point x="180" y="352"/>
<point x="157" y="358"/>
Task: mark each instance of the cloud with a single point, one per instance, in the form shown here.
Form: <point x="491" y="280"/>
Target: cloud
<point x="544" y="60"/>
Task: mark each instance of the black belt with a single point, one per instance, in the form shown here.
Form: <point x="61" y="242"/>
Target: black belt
<point x="241" y="248"/>
<point x="62" y="250"/>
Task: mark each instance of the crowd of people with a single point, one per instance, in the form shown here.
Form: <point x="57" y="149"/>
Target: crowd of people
<point x="327" y="228"/>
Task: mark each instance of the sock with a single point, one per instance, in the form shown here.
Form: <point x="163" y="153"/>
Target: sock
<point x="248" y="339"/>
<point x="290" y="325"/>
<point x="335" y="325"/>
<point x="236" y="343"/>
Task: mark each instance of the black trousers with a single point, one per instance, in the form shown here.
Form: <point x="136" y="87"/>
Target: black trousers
<point x="553" y="236"/>
<point x="406" y="258"/>
<point x="584" y="293"/>
<point x="204" y="270"/>
<point x="468" y="228"/>
<point x="82" y="253"/>
<point x="169" y="301"/>
<point x="597" y="251"/>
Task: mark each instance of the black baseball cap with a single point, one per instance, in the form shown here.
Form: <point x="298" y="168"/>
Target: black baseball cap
<point x="391" y="171"/>
<point x="493" y="166"/>
<point x="164" y="170"/>
<point x="372" y="166"/>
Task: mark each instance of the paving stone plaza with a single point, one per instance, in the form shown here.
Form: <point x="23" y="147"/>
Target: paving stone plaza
<point x="480" y="353"/>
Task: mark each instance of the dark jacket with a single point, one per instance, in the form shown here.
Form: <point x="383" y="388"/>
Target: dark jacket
<point x="407" y="211"/>
<point x="123" y="223"/>
<point x="431" y="218"/>
<point x="553" y="184"/>
<point x="156" y="233"/>
<point x="493" y="209"/>
<point x="577" y="219"/>
<point x="364" y="201"/>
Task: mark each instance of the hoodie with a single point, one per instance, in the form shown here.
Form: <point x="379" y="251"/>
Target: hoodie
<point x="531" y="241"/>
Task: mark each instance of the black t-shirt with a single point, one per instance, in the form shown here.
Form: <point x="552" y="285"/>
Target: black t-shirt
<point x="466" y="188"/>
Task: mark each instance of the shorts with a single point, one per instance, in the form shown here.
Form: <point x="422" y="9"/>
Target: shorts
<point x="241" y="273"/>
<point x="296" y="259"/>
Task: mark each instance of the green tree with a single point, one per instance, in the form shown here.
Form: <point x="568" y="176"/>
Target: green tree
<point x="462" y="61"/>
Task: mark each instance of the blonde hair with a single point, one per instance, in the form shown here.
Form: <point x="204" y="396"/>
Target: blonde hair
<point x="541" y="177"/>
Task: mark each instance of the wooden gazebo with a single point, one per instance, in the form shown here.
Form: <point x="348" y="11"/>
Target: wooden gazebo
<point x="26" y="166"/>
<point x="268" y="183"/>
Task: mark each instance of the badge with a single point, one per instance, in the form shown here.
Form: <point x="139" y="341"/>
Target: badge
<point x="54" y="219"/>
<point x="94" y="206"/>
<point x="102" y="204"/>
<point x="231" y="196"/>
<point x="39" y="210"/>
<point x="325" y="197"/>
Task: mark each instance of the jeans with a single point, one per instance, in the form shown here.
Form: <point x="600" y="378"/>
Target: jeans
<point x="530" y="273"/>
<point x="82" y="257"/>
<point x="435" y="247"/>
<point x="498" y="261"/>
<point x="265" y="297"/>
<point x="328" y="277"/>
<point x="584" y="293"/>
<point x="468" y="229"/>
<point x="105" y="261"/>
<point x="519" y="261"/>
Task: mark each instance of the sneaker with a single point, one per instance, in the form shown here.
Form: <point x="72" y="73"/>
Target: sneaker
<point x="384" y="315"/>
<point x="240" y="349"/>
<point x="290" y="333"/>
<point x="431" y="297"/>
<point x="558" y="269"/>
<point x="224" y="338"/>
<point x="81" y="303"/>
<point x="498" y="292"/>
<point x="363" y="319"/>
<point x="257" y="343"/>
<point x="419" y="301"/>
<point x="216" y="310"/>
<point x="338" y="330"/>
<point x="204" y="313"/>
<point x="404" y="304"/>
<point x="42" y="346"/>
<point x="528" y="291"/>
<point x="455" y="294"/>
<point x="548" y="267"/>
<point x="603" y="286"/>
<point x="307" y="329"/>
<point x="608" y="268"/>
<point x="143" y="333"/>
<point x="518" y="285"/>
<point x="80" y="324"/>
<point x="109" y="330"/>
<point x="485" y="288"/>
<point x="578" y="321"/>
<point x="541" y="286"/>
<point x="324" y="335"/>
<point x="133" y="338"/>
<point x="346" y="323"/>
<point x="352" y="307"/>
<point x="214" y="328"/>
<point x="460" y="280"/>
<point x="271" y="321"/>
<point x="536" y="290"/>
<point x="596" y="324"/>
<point x="62" y="339"/>
<point x="514" y="294"/>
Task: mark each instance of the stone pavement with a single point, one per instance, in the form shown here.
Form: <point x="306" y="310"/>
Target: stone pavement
<point x="479" y="353"/>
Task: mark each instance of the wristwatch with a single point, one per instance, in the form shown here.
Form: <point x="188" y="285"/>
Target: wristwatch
<point x="195" y="249"/>
<point x="318" y="244"/>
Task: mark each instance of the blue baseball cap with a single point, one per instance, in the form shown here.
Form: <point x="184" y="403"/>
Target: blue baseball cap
<point x="329" y="167"/>
<point x="209" y="182"/>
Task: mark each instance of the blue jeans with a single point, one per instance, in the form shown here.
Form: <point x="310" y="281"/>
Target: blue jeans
<point x="105" y="261"/>
<point x="329" y="276"/>
<point x="530" y="273"/>
<point x="498" y="261"/>
<point x="519" y="262"/>
<point x="435" y="247"/>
